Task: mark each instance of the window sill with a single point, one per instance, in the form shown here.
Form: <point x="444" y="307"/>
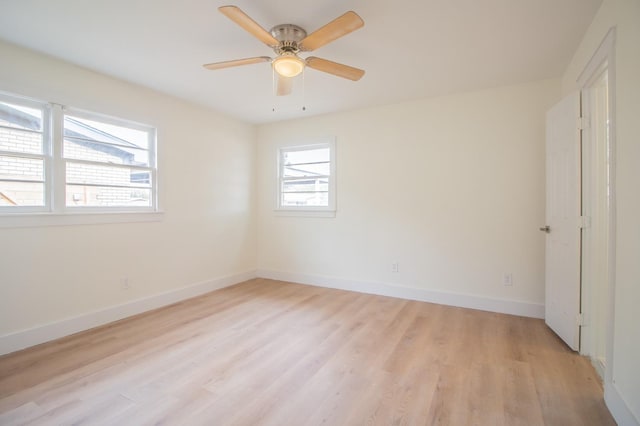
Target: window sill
<point x="30" y="220"/>
<point x="304" y="213"/>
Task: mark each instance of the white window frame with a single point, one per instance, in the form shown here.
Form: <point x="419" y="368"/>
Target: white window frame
<point x="55" y="211"/>
<point x="117" y="122"/>
<point x="321" y="211"/>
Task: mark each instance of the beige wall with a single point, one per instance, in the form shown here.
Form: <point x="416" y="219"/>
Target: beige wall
<point x="52" y="273"/>
<point x="625" y="16"/>
<point x="451" y="188"/>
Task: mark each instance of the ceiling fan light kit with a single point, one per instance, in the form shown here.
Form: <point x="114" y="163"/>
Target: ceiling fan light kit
<point x="287" y="40"/>
<point x="288" y="65"/>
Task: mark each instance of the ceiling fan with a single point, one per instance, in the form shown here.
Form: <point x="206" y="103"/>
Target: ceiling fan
<point x="287" y="40"/>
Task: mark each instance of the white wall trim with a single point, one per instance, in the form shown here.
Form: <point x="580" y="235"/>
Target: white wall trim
<point x="601" y="55"/>
<point x="618" y="406"/>
<point x="604" y="58"/>
<point x="505" y="306"/>
<point x="23" y="339"/>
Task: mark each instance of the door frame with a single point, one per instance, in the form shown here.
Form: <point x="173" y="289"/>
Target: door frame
<point x="602" y="59"/>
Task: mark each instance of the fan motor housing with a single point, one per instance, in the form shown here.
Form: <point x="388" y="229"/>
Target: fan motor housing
<point x="289" y="36"/>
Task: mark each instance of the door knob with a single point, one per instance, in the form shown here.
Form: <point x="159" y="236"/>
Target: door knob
<point x="546" y="229"/>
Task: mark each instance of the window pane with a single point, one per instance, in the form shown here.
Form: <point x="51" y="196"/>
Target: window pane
<point x="21" y="177"/>
<point x="21" y="193"/>
<point x="311" y="185"/>
<point x="313" y="169"/>
<point x="21" y="169"/>
<point x="94" y="174"/>
<point x="97" y="196"/>
<point x="318" y="199"/>
<point x="304" y="175"/>
<point x="20" y="117"/>
<point x="103" y="177"/>
<point x="96" y="141"/>
<point x="306" y="156"/>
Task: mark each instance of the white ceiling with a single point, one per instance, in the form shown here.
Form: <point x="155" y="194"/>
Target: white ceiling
<point x="409" y="48"/>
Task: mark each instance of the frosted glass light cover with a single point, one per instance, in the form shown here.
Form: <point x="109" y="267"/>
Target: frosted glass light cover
<point x="288" y="65"/>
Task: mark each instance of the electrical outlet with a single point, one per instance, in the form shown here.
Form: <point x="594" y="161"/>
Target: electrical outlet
<point x="124" y="283"/>
<point x="507" y="279"/>
<point x="395" y="267"/>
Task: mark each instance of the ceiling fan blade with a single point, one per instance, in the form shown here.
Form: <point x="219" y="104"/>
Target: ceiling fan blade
<point x="337" y="28"/>
<point x="239" y="17"/>
<point x="284" y="85"/>
<point x="237" y="62"/>
<point x="341" y="70"/>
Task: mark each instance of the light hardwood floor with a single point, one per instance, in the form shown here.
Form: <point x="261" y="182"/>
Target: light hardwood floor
<point x="273" y="353"/>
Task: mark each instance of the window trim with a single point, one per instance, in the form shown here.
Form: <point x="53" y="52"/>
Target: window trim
<point x="55" y="211"/>
<point x="311" y="211"/>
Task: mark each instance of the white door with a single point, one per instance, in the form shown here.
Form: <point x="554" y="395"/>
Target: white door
<point x="562" y="274"/>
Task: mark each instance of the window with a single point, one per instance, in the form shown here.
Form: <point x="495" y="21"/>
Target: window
<point x="107" y="162"/>
<point x="59" y="160"/>
<point x="24" y="150"/>
<point x="306" y="177"/>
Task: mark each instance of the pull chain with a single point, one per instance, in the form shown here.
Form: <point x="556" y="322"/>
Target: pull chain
<point x="274" y="84"/>
<point x="273" y="87"/>
<point x="304" y="72"/>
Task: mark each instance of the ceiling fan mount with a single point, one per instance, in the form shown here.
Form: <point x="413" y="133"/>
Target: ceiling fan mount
<point x="288" y="36"/>
<point x="287" y="40"/>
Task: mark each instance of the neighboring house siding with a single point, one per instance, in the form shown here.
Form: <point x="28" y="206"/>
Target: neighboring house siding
<point x="75" y="150"/>
<point x="22" y="168"/>
<point x="28" y="169"/>
<point x="89" y="173"/>
<point x="19" y="141"/>
<point x="20" y="193"/>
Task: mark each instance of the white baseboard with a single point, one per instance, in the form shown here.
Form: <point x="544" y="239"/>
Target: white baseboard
<point x="47" y="332"/>
<point x="505" y="306"/>
<point x="598" y="365"/>
<point x="618" y="407"/>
